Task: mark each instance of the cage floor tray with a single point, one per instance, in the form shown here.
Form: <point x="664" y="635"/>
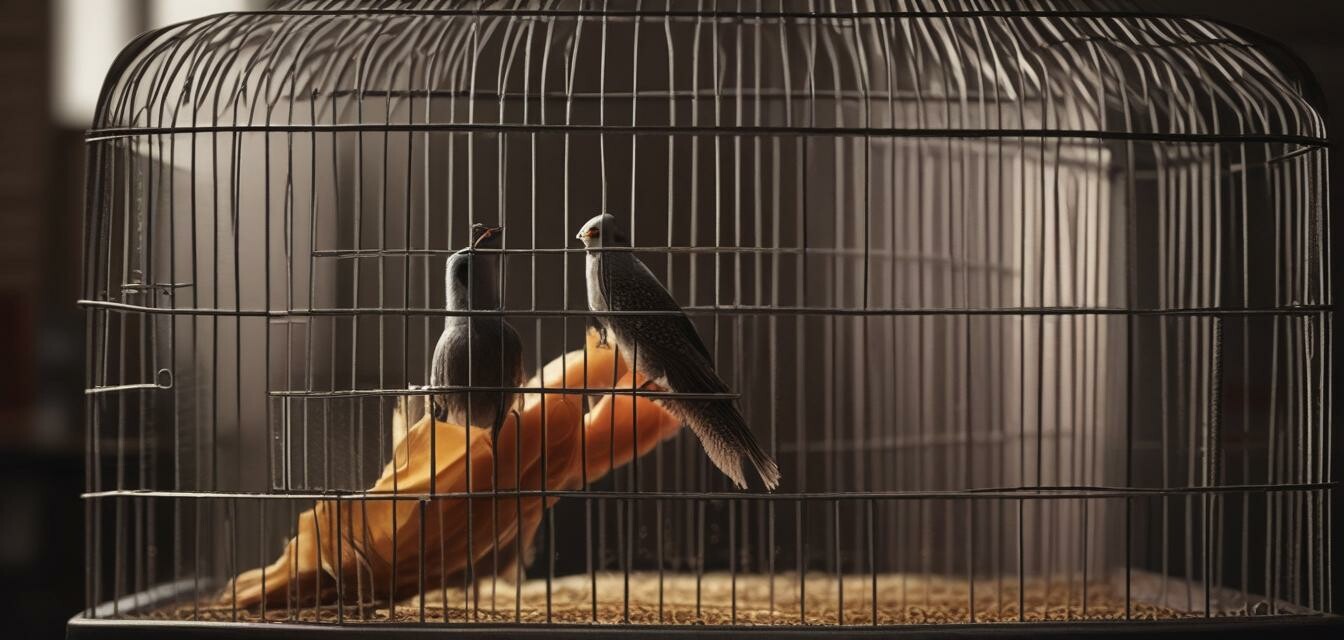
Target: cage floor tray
<point x="722" y="599"/>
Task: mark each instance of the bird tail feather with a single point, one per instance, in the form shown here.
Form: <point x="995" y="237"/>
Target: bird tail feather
<point x="725" y="437"/>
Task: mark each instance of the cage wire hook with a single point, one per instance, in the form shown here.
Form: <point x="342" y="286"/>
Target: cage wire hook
<point x="163" y="380"/>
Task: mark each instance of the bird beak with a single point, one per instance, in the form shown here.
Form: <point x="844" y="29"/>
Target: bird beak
<point x="582" y="235"/>
<point x="488" y="233"/>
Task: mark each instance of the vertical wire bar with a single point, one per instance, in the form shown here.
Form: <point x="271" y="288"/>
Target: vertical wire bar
<point x="1130" y="214"/>
<point x="839" y="573"/>
<point x="693" y="508"/>
<point x="1023" y="262"/>
<point x="1101" y="294"/>
<point x="462" y="73"/>
<point x="1049" y="512"/>
<point x="758" y="207"/>
<point x="235" y="192"/>
<point x="172" y="363"/>
<point x="624" y="508"/>
<point x="545" y="469"/>
<point x="1310" y="394"/>
<point x="267" y="345"/>
<point x="1167" y="253"/>
<point x="662" y="551"/>
<point x="145" y="517"/>
<point x="382" y="335"/>
<point x="969" y="398"/>
<point x="1216" y="468"/>
<point x="362" y="71"/>
<point x="718" y="70"/>
<point x="946" y="57"/>
<point x="96" y="213"/>
<point x="338" y="533"/>
<point x="1244" y="206"/>
<point x="872" y="558"/>
<point x="999" y="297"/>
<point x="893" y="401"/>
<point x="510" y="39"/>
<point x="699" y="517"/>
<point x="863" y="415"/>
<point x="171" y="157"/>
<point x="571" y="64"/>
<point x="532" y="264"/>
<point x="632" y="506"/>
<point x="1188" y="342"/>
<point x="924" y="232"/>
<point x="132" y="211"/>
<point x="1081" y="238"/>
<point x="1186" y="377"/>
<point x="119" y="468"/>
<point x="1309" y="409"/>
<point x="1213" y="468"/>
<point x="1271" y="475"/>
<point x="1325" y="472"/>
<point x="803" y="149"/>
<point x="737" y="289"/>
<point x="404" y="402"/>
<point x="567" y="66"/>
<point x="1291" y="406"/>
<point x="195" y="341"/>
<point x="470" y="570"/>
<point x="431" y="79"/>
<point x="830" y="336"/>
<point x="772" y="321"/>
<point x="616" y="506"/>
<point x="420" y="564"/>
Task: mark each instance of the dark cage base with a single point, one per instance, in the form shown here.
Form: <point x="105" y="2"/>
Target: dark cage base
<point x="1298" y="626"/>
<point x="161" y="613"/>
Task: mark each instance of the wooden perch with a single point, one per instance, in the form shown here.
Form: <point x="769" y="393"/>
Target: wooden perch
<point x="378" y="550"/>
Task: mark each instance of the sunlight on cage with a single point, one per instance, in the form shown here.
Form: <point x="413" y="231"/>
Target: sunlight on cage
<point x="1032" y="306"/>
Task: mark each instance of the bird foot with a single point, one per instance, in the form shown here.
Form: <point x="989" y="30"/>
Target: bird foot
<point x="601" y="331"/>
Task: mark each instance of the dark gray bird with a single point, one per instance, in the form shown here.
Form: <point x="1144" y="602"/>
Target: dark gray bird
<point x="480" y="351"/>
<point x="667" y="350"/>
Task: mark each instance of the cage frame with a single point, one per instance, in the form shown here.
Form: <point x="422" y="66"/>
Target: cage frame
<point x="99" y="134"/>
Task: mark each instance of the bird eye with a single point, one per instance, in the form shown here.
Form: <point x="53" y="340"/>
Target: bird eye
<point x="594" y="233"/>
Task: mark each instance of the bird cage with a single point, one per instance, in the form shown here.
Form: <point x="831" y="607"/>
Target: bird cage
<point x="1030" y="304"/>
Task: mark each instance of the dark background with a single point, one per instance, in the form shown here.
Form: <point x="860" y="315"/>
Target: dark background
<point x="41" y="330"/>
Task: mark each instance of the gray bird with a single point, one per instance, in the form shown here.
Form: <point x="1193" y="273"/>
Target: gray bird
<point x="479" y="351"/>
<point x="667" y="350"/>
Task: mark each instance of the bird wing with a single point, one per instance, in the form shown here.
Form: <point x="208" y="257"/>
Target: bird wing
<point x="438" y="364"/>
<point x="646" y="293"/>
<point x="515" y="373"/>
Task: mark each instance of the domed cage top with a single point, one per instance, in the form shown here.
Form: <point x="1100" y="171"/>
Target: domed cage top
<point x="1031" y="304"/>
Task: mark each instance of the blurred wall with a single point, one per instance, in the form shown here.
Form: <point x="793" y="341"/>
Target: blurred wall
<point x="23" y="175"/>
<point x="40" y="457"/>
<point x="42" y="448"/>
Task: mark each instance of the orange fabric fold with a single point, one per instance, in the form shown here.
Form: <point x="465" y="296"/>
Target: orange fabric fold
<point x="378" y="549"/>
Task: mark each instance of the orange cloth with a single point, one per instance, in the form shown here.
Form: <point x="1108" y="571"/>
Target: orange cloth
<point x="362" y="540"/>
